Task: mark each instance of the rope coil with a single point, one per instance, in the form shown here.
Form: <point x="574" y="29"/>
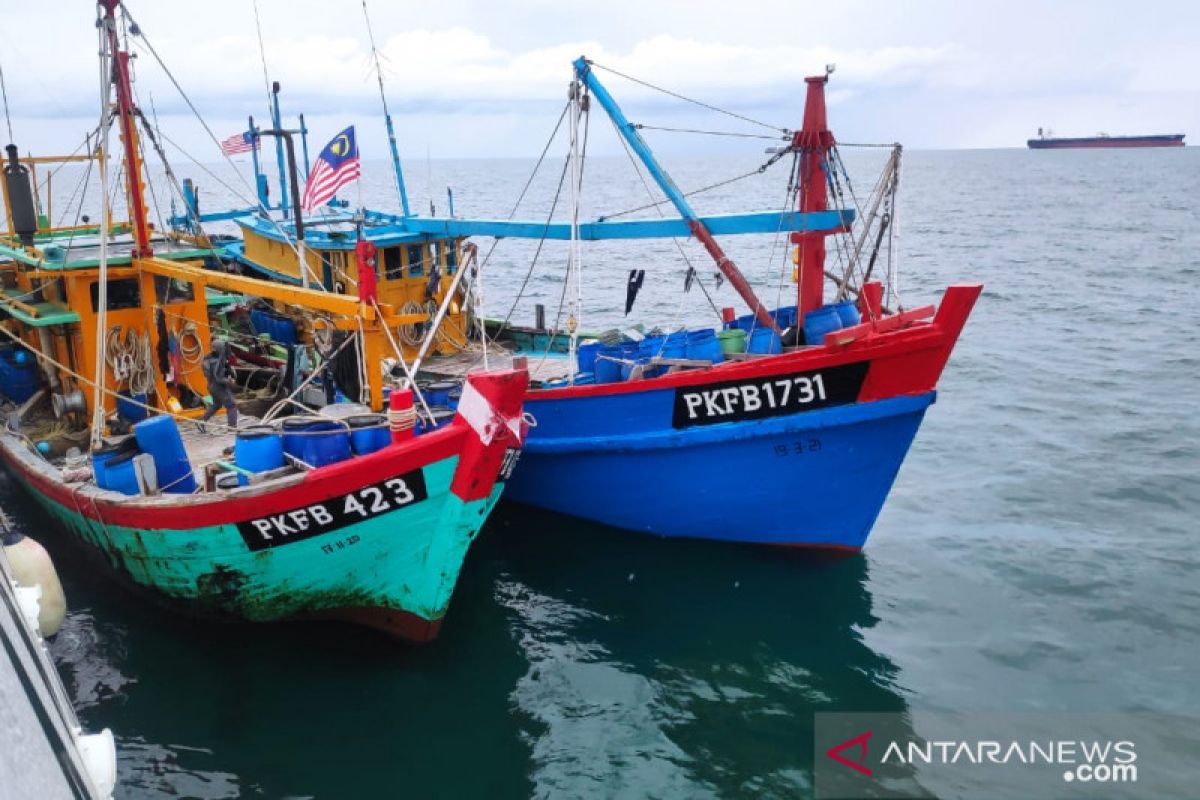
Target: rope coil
<point x="401" y="419"/>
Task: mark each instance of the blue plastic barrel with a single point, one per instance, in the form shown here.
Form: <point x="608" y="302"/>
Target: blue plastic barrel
<point x="745" y="322"/>
<point x="607" y="370"/>
<point x="648" y="348"/>
<point x="19" y="377"/>
<point x="763" y="340"/>
<point x="316" y="442"/>
<point x="785" y="317"/>
<point x="285" y="330"/>
<point x="651" y="346"/>
<point x="703" y="346"/>
<point x="819" y="322"/>
<point x="279" y="329"/>
<point x="438" y="393"/>
<point x="368" y="433"/>
<point x="258" y="448"/>
<point x="442" y="416"/>
<point x="131" y="407"/>
<point x="159" y="436"/>
<point x="258" y="322"/>
<point x="101" y="456"/>
<point x="585" y="355"/>
<point x="120" y="475"/>
<point x="848" y="313"/>
<point x="676" y="345"/>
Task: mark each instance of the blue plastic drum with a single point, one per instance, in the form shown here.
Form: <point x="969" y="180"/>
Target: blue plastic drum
<point x="101" y="457"/>
<point x="703" y="346"/>
<point x="120" y="475"/>
<point x="763" y="340"/>
<point x="848" y="313"/>
<point x="316" y="442"/>
<point x="258" y="449"/>
<point x="368" y="433"/>
<point x="159" y="436"/>
<point x="585" y="355"/>
<point x="819" y="322"/>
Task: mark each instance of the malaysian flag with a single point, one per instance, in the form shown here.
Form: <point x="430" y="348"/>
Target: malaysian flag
<point x="239" y="143"/>
<point x="336" y="166"/>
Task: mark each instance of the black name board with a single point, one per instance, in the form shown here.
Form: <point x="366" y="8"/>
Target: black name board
<point x="316" y="519"/>
<point x="773" y="396"/>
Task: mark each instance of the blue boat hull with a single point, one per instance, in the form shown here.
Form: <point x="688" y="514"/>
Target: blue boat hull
<point x="817" y="478"/>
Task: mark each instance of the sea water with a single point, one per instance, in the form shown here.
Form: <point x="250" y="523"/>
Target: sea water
<point x="1037" y="552"/>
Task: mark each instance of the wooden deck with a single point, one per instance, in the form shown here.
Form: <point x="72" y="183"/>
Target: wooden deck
<point x="541" y="368"/>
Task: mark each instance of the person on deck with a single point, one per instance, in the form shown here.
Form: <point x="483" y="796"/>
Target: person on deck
<point x="219" y="375"/>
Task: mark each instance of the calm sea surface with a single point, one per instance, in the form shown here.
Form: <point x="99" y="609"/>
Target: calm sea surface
<point x="1038" y="551"/>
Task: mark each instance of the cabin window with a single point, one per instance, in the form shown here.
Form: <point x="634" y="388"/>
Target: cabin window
<point x="393" y="264"/>
<point x="123" y="293"/>
<point x="172" y="290"/>
<point x="451" y="258"/>
<point x="416" y="259"/>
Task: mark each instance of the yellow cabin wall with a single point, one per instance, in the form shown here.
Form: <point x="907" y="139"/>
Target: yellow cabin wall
<point x="396" y="292"/>
<point x="74" y="345"/>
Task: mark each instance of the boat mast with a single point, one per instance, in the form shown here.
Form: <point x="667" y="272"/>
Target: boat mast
<point x="106" y="75"/>
<point x="583" y="70"/>
<point x="574" y="274"/>
<point x="813" y="142"/>
<point x="391" y="131"/>
<point x="134" y="181"/>
<point x="283" y="176"/>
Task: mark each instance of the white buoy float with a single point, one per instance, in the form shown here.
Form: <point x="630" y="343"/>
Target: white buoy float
<point x="32" y="568"/>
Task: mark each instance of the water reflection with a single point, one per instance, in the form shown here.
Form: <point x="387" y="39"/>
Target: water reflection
<point x="681" y="668"/>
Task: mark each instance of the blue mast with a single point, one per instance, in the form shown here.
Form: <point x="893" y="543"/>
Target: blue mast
<point x="391" y="131"/>
<point x="260" y="180"/>
<point x="277" y="124"/>
<point x="304" y="143"/>
<point x="583" y="70"/>
<point x="396" y="160"/>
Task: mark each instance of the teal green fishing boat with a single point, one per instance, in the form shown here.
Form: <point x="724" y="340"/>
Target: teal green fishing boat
<point x="102" y="334"/>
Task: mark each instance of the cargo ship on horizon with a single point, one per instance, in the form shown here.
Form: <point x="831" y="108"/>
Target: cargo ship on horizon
<point x="1047" y="141"/>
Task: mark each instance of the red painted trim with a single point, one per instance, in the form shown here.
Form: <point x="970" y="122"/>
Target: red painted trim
<point x="399" y="624"/>
<point x="915" y="341"/>
<point x="476" y="474"/>
<point x="831" y="549"/>
<point x="317" y="485"/>
<point x="480" y="463"/>
<point x="845" y="336"/>
<point x="879" y="346"/>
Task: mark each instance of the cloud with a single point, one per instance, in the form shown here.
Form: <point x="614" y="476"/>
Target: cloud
<point x="458" y="65"/>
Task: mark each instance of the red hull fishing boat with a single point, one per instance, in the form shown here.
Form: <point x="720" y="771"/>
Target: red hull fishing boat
<point x="784" y="426"/>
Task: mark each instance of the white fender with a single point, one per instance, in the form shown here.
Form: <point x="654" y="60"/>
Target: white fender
<point x="32" y="567"/>
<point x="99" y="753"/>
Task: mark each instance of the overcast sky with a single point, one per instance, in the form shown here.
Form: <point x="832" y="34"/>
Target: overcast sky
<point x="472" y="78"/>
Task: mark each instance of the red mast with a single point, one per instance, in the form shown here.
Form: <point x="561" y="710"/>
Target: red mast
<point x="813" y="141"/>
<point x="129" y="135"/>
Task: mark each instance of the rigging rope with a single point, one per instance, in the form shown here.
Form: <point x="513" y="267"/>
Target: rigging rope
<point x="700" y="103"/>
<point x="382" y="94"/>
<point x="4" y="91"/>
<point x="760" y="170"/>
<point x="141" y="33"/>
<point x="691" y="268"/>
<point x="262" y="54"/>
<point x="643" y="127"/>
